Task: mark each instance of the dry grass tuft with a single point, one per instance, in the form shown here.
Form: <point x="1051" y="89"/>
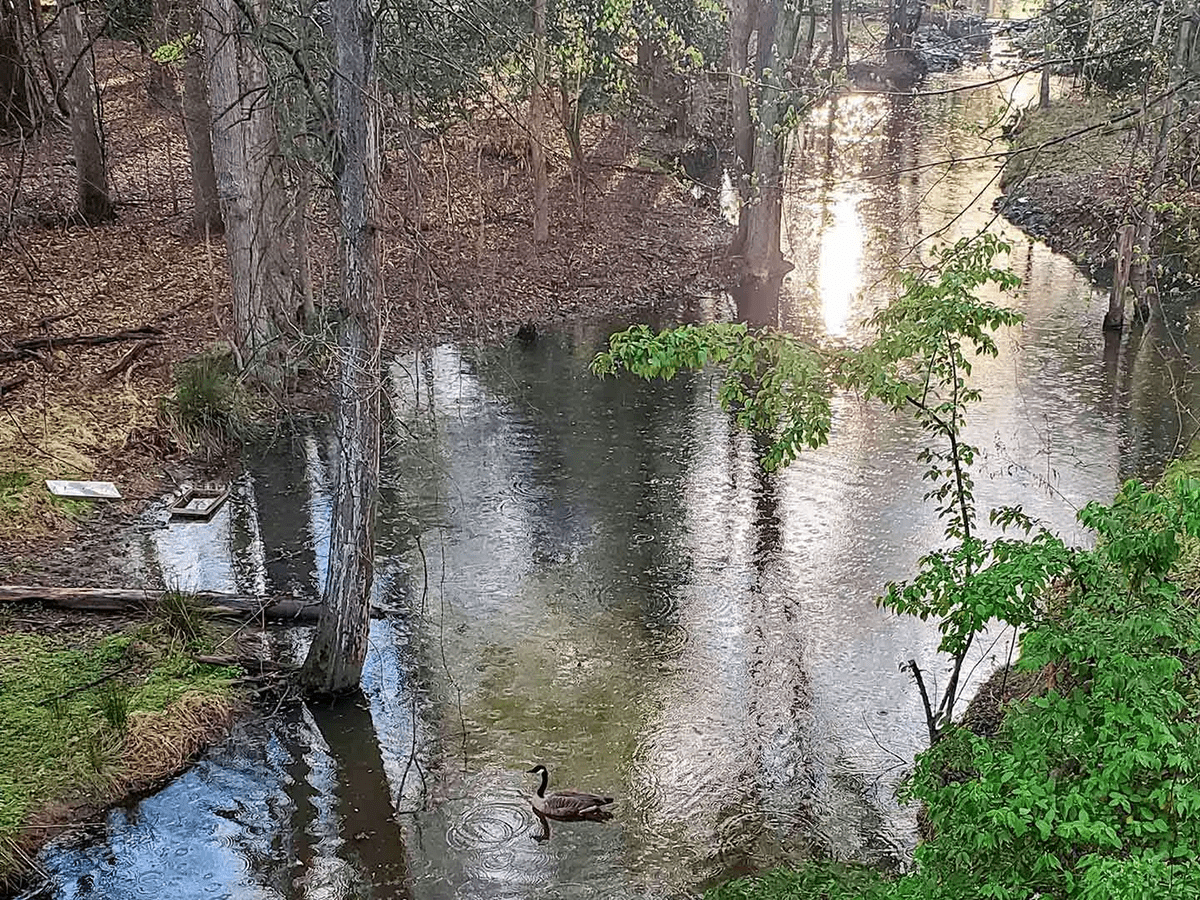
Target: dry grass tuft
<point x="160" y="744"/>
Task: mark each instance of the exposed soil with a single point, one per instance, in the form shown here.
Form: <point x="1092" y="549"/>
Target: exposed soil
<point x="1075" y="194"/>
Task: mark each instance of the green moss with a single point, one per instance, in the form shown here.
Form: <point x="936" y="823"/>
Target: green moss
<point x="64" y="709"/>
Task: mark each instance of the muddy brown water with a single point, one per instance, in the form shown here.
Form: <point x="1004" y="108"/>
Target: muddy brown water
<point x="595" y="575"/>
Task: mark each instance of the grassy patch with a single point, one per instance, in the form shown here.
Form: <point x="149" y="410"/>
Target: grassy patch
<point x="818" y="881"/>
<point x="209" y="406"/>
<point x="85" y="723"/>
<point x="1096" y="152"/>
<point x="36" y="445"/>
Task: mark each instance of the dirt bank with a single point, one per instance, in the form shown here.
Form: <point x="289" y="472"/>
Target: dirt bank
<point x="1073" y="188"/>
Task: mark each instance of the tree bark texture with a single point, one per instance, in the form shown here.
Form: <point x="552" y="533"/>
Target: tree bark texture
<point x="1114" y="319"/>
<point x="197" y="126"/>
<point x="92" y="203"/>
<point x="335" y="659"/>
<point x="537" y="128"/>
<point x="21" y="102"/>
<point x="741" y="24"/>
<point x="250" y="185"/>
<point x="777" y="31"/>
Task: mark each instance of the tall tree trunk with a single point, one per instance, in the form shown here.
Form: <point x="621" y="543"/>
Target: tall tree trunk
<point x="1044" y="84"/>
<point x="92" y="203"/>
<point x="537" y="128"/>
<point x="250" y="185"/>
<point x="197" y="126"/>
<point x="22" y="103"/>
<point x="741" y="24"/>
<point x="777" y="31"/>
<point x="1144" y="296"/>
<point x="838" y="51"/>
<point x="335" y="659"/>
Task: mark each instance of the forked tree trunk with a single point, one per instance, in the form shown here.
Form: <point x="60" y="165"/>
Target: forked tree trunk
<point x="537" y="128"/>
<point x="335" y="659"/>
<point x="250" y="185"/>
<point x="197" y="126"/>
<point x="92" y="203"/>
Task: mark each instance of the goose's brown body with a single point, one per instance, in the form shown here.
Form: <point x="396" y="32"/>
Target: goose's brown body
<point x="568" y="804"/>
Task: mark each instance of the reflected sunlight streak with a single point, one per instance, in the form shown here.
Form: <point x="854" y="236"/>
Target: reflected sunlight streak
<point x="839" y="276"/>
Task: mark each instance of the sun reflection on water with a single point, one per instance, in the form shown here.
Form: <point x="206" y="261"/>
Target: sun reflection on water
<point x="839" y="276"/>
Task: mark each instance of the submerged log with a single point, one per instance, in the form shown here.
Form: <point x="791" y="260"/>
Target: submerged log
<point x="124" y="600"/>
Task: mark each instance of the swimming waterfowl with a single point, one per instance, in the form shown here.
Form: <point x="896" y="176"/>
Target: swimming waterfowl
<point x="568" y="805"/>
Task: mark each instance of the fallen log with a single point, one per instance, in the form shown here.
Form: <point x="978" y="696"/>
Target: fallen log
<point x="124" y="600"/>
<point x="25" y="348"/>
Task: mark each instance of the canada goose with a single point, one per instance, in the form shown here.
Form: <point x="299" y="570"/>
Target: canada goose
<point x="568" y="805"/>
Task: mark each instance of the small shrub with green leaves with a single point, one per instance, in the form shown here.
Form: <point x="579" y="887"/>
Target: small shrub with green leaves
<point x="1091" y="788"/>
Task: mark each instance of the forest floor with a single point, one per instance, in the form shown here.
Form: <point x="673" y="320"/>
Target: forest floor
<point x="1076" y="190"/>
<point x="459" y="264"/>
<point x="626" y="236"/>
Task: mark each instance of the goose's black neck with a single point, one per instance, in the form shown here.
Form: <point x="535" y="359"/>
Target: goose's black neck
<point x="541" y="791"/>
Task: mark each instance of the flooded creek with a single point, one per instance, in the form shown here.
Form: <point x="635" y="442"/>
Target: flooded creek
<point x="597" y="576"/>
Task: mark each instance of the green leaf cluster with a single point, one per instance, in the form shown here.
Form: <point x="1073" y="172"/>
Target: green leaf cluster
<point x="773" y="382"/>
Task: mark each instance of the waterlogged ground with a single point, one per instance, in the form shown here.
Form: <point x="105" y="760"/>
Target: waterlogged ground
<point x="595" y="575"/>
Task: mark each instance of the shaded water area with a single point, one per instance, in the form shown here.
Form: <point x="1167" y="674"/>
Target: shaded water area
<point x="597" y="575"/>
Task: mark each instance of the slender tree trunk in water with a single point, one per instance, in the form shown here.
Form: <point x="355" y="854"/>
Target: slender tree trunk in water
<point x="335" y="659"/>
<point x="1146" y="297"/>
<point x="537" y="128"/>
<point x="91" y="181"/>
<point x="197" y="126"/>
<point x="250" y="185"/>
<point x="1114" y="319"/>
